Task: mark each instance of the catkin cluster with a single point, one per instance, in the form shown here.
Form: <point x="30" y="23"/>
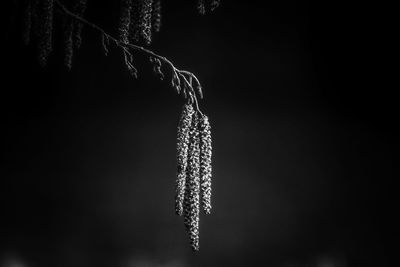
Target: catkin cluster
<point x="139" y="18"/>
<point x="193" y="170"/>
<point x="43" y="16"/>
<point x="38" y="24"/>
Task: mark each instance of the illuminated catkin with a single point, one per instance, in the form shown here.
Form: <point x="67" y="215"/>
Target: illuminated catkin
<point x="205" y="163"/>
<point x="80" y="9"/>
<point x="192" y="192"/>
<point x="182" y="155"/>
<point x="125" y="20"/>
<point x="145" y="20"/>
<point x="156" y="16"/>
<point x="45" y="31"/>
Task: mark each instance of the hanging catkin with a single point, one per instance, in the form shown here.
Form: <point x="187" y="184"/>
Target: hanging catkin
<point x="214" y="4"/>
<point x="134" y="32"/>
<point x="145" y="20"/>
<point x="182" y="155"/>
<point x="45" y="30"/>
<point x="204" y="6"/>
<point x="156" y="16"/>
<point x="125" y="20"/>
<point x="140" y="21"/>
<point x="80" y="9"/>
<point x="205" y="163"/>
<point x="68" y="42"/>
<point x="192" y="192"/>
<point x="27" y="22"/>
<point x="201" y="7"/>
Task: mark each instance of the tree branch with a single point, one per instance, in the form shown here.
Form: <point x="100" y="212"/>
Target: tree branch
<point x="178" y="76"/>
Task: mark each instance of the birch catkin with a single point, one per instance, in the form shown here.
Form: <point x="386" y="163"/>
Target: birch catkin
<point x="27" y="23"/>
<point x="145" y="20"/>
<point x="68" y="42"/>
<point x="205" y="163"/>
<point x="182" y="155"/>
<point x="192" y="192"/>
<point x="46" y="29"/>
<point x="125" y="20"/>
<point x="156" y="16"/>
<point x="80" y="10"/>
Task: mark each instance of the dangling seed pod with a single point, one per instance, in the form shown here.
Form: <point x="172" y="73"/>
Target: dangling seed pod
<point x="205" y="163"/>
<point x="192" y="192"/>
<point x="156" y="16"/>
<point x="125" y="20"/>
<point x="182" y="155"/>
<point x="45" y="31"/>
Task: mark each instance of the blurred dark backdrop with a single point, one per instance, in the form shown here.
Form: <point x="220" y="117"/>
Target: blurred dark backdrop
<point x="302" y="132"/>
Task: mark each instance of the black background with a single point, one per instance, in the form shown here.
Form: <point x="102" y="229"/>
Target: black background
<point x="302" y="135"/>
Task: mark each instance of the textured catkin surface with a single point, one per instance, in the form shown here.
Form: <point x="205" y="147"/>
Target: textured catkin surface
<point x="182" y="155"/>
<point x="125" y="20"/>
<point x="205" y="163"/>
<point x="146" y="22"/>
<point x="192" y="192"/>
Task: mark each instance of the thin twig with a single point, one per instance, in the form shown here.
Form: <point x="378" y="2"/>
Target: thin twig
<point x="176" y="72"/>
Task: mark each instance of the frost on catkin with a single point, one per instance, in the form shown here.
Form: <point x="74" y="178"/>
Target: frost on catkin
<point x="45" y="30"/>
<point x="182" y="155"/>
<point x="192" y="192"/>
<point x="205" y="163"/>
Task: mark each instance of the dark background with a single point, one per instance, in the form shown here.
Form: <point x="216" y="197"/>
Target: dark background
<point x="302" y="135"/>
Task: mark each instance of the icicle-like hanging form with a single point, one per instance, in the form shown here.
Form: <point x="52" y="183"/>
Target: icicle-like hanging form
<point x="182" y="155"/>
<point x="205" y="163"/>
<point x="192" y="192"/>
